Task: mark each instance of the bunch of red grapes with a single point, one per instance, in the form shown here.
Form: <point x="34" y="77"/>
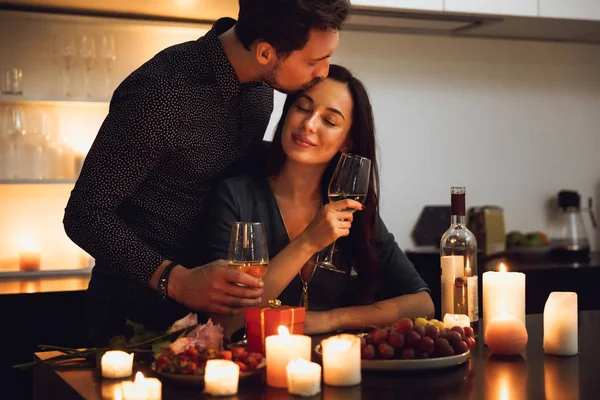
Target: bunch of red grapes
<point x="407" y="341"/>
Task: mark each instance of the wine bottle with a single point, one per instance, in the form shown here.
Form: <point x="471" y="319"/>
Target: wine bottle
<point x="458" y="250"/>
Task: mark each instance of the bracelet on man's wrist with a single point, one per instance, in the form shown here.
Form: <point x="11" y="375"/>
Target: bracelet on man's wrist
<point x="163" y="281"/>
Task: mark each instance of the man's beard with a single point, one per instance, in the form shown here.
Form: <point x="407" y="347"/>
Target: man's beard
<point x="271" y="80"/>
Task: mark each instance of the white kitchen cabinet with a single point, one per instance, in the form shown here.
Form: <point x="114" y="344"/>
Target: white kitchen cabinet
<point x="572" y="9"/>
<point x="430" y="5"/>
<point x="527" y="8"/>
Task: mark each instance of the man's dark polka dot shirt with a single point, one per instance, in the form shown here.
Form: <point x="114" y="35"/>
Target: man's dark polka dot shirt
<point x="176" y="126"/>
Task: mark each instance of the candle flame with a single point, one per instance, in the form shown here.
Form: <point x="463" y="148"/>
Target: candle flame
<point x="26" y="243"/>
<point x="502" y="267"/>
<point x="117" y="394"/>
<point x="282" y="330"/>
<point x="139" y="377"/>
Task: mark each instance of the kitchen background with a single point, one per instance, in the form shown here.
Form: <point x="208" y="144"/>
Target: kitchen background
<point x="514" y="121"/>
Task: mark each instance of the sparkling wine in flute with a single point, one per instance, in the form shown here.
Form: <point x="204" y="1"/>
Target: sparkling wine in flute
<point x="458" y="252"/>
<point x="255" y="268"/>
<point x="361" y="198"/>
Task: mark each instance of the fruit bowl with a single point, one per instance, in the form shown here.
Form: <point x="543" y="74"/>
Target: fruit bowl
<point x="198" y="379"/>
<point x="414" y="345"/>
<point x="187" y="367"/>
<point x="410" y="365"/>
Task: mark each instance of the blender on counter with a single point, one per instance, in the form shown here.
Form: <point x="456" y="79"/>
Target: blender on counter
<point x="569" y="240"/>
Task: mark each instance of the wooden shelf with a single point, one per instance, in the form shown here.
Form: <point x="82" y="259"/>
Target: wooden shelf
<point x="53" y="101"/>
<point x="44" y="274"/>
<point x="36" y="181"/>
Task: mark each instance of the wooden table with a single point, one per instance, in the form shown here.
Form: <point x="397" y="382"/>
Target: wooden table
<point x="531" y="376"/>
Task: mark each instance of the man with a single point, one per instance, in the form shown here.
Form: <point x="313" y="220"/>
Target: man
<point x="191" y="116"/>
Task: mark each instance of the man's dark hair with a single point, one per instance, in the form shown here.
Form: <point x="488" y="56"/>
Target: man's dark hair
<point x="286" y="24"/>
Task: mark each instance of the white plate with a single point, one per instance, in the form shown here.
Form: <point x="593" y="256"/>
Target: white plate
<point x="410" y="365"/>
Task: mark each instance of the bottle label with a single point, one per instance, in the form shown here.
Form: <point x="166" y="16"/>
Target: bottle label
<point x="452" y="267"/>
<point x="472" y="300"/>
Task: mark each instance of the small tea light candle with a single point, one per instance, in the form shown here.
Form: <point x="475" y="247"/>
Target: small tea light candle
<point x="341" y="360"/>
<point x="116" y="364"/>
<point x="560" y="324"/>
<point x="142" y="388"/>
<point x="280" y="350"/>
<point x="452" y="320"/>
<point x="303" y="377"/>
<point x="29" y="254"/>
<point x="221" y="377"/>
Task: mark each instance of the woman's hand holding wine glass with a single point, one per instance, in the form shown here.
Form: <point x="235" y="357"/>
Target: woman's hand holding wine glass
<point x="333" y="221"/>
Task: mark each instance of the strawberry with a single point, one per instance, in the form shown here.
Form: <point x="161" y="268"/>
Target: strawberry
<point x="238" y="351"/>
<point x="258" y="357"/>
<point x="192" y="367"/>
<point x="242" y="366"/>
<point x="192" y="352"/>
<point x="226" y="355"/>
<point x="252" y="363"/>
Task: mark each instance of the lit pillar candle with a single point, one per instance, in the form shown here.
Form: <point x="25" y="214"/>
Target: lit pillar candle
<point x="280" y="350"/>
<point x="452" y="320"/>
<point x="303" y="377"/>
<point x="221" y="377"/>
<point x="116" y="364"/>
<point x="560" y="324"/>
<point x="507" y="288"/>
<point x="341" y="360"/>
<point x="142" y="388"/>
<point x="29" y="256"/>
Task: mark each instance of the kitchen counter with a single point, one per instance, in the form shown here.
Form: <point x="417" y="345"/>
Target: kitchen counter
<point x="543" y="276"/>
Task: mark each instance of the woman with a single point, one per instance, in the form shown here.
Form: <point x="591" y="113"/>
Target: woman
<point x="380" y="284"/>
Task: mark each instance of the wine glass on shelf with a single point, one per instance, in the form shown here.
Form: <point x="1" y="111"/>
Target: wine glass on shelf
<point x="350" y="180"/>
<point x="108" y="55"/>
<point x="67" y="51"/>
<point x="248" y="248"/>
<point x="88" y="54"/>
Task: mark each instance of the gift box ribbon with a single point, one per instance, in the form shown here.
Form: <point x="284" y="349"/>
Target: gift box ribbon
<point x="273" y="303"/>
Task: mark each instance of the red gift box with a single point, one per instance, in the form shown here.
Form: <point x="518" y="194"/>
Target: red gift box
<point x="263" y="322"/>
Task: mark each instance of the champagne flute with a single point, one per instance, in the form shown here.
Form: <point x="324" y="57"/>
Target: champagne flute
<point x="67" y="51"/>
<point x="350" y="181"/>
<point x="108" y="55"/>
<point x="248" y="248"/>
<point x="88" y="54"/>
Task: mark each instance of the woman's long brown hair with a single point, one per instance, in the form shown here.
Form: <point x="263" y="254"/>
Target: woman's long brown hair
<point x="359" y="246"/>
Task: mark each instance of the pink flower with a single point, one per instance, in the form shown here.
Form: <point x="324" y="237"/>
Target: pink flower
<point x="208" y="336"/>
<point x="185" y="322"/>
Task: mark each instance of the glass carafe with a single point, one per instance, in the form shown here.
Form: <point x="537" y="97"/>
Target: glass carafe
<point x="12" y="127"/>
<point x="28" y="149"/>
<point x="569" y="238"/>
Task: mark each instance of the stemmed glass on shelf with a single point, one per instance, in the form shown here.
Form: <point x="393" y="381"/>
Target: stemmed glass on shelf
<point x="88" y="54"/>
<point x="108" y="54"/>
